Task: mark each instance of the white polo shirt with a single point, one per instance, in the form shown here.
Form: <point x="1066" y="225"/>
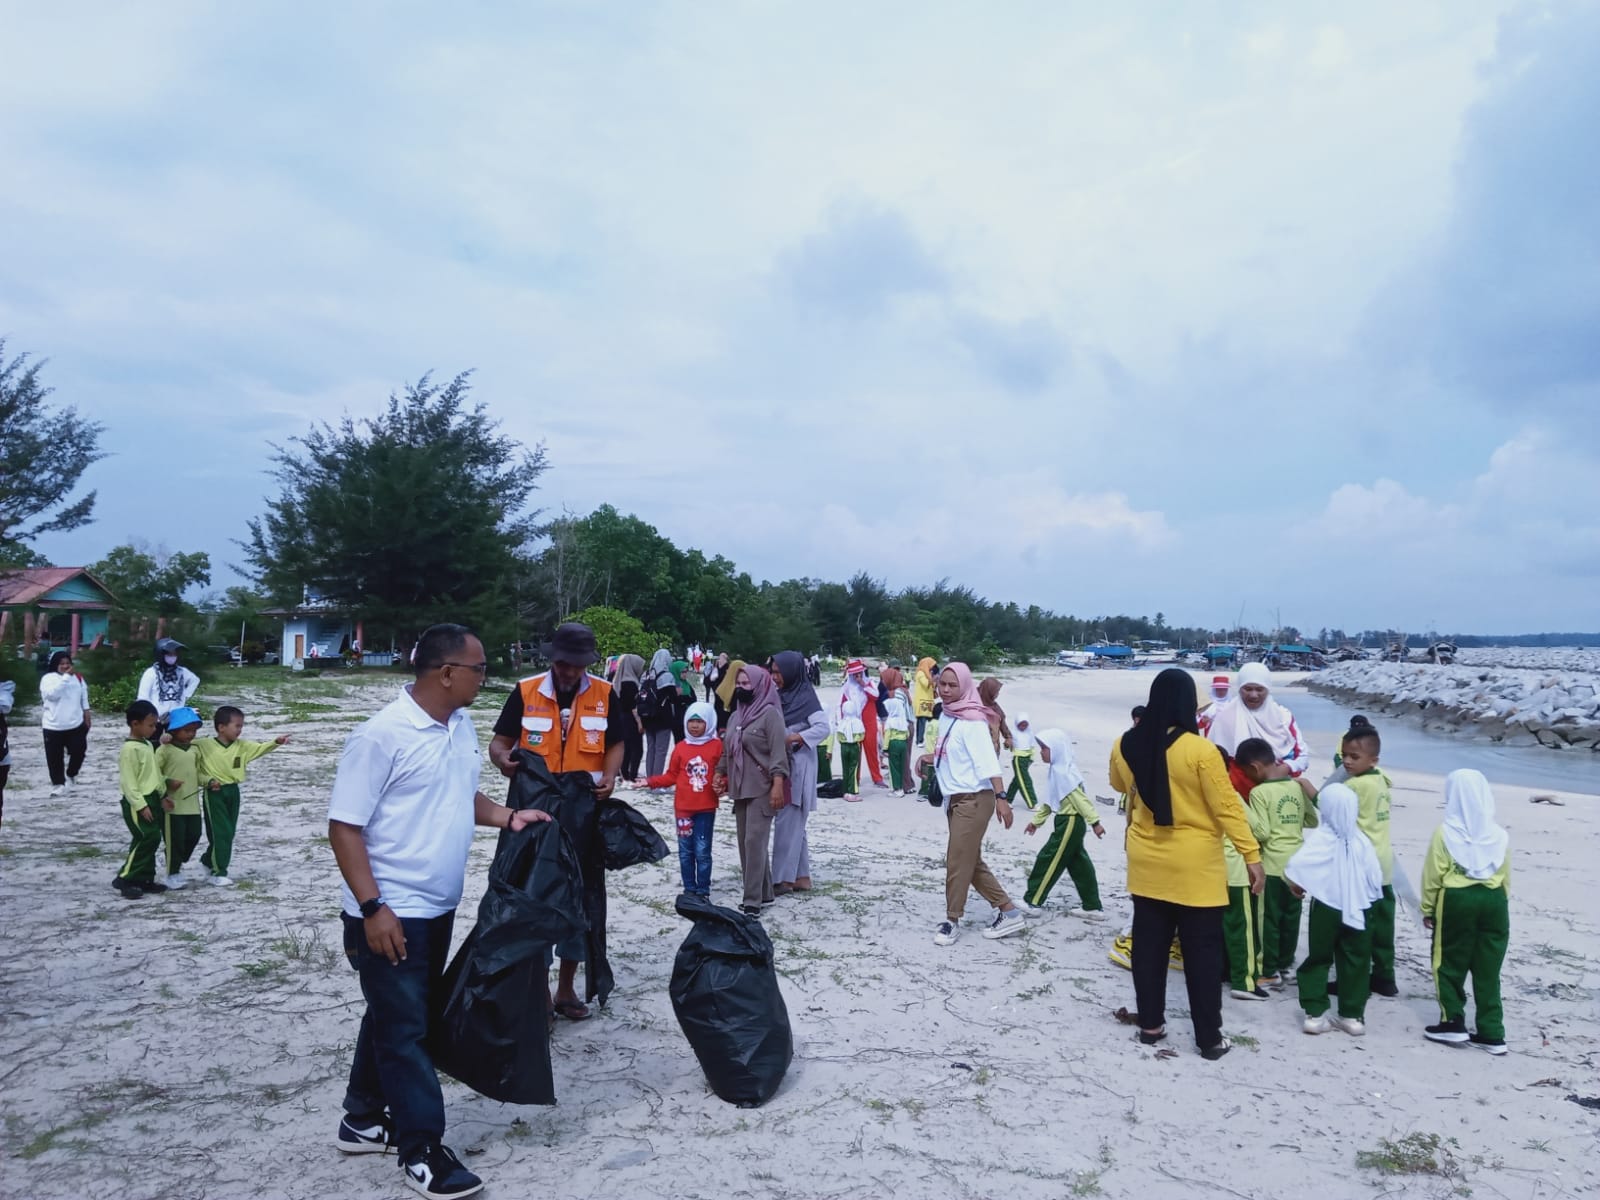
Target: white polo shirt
<point x="408" y="782"/>
<point x="964" y="757"/>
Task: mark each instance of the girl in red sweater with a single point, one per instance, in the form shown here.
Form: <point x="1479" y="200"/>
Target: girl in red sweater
<point x="689" y="771"/>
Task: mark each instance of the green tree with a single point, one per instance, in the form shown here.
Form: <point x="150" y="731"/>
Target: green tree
<point x="44" y="451"/>
<point x="151" y="581"/>
<point x="411" y="517"/>
<point x="615" y="632"/>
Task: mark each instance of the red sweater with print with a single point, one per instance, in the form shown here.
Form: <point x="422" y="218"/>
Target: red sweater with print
<point x="689" y="772"/>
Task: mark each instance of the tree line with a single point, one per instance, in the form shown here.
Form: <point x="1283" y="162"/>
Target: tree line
<point x="423" y="512"/>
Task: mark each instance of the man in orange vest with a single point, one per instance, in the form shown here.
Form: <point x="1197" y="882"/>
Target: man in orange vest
<point x="570" y="719"/>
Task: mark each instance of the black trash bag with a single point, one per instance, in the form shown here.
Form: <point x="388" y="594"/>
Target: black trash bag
<point x="832" y="790"/>
<point x="725" y="993"/>
<point x="492" y="1033"/>
<point x="628" y="836"/>
<point x="569" y="798"/>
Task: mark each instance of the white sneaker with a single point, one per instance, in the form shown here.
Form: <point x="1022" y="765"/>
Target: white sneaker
<point x="1090" y="914"/>
<point x="1005" y="924"/>
<point x="221" y="881"/>
<point x="1031" y="911"/>
<point x="176" y="883"/>
<point x="57" y="790"/>
<point x="1349" y="1025"/>
<point x="1257" y="994"/>
<point x="946" y="934"/>
<point x="1316" y="1024"/>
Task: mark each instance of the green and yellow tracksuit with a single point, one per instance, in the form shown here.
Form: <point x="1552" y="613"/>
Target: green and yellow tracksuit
<point x="180" y="828"/>
<point x="825" y="760"/>
<point x="1064" y="851"/>
<point x="142" y="787"/>
<point x="223" y="763"/>
<point x="1242" y="923"/>
<point x="1471" y="930"/>
<point x="1022" y="780"/>
<point x="1280" y="814"/>
<point x="1372" y="818"/>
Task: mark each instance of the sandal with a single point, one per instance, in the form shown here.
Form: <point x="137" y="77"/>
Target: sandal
<point x="803" y="884"/>
<point x="572" y="1010"/>
<point x="782" y="889"/>
<point x="1150" y="1039"/>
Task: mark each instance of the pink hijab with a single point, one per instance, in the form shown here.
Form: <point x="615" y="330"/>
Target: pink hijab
<point x="763" y="695"/>
<point x="968" y="706"/>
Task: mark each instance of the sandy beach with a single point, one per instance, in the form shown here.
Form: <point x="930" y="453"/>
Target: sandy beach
<point x="196" y="1045"/>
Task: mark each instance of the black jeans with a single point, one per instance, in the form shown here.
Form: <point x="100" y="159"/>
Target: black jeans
<point x="632" y="751"/>
<point x="63" y="753"/>
<point x="392" y="1067"/>
<point x="1199" y="933"/>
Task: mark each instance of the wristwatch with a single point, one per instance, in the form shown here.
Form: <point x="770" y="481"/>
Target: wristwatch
<point x="369" y="908"/>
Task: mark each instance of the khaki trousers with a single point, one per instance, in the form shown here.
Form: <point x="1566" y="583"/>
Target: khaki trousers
<point x="753" y="823"/>
<point x="964" y="868"/>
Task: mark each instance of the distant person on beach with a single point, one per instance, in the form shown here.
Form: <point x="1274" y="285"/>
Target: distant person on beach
<point x="143" y="792"/>
<point x="989" y="693"/>
<point x="8" y="694"/>
<point x="1022" y="747"/>
<point x="1280" y="811"/>
<point x="1360" y="749"/>
<point x="805" y="728"/>
<point x="625" y="686"/>
<point x="400" y="820"/>
<point x="1181" y="804"/>
<point x="723" y="700"/>
<point x="968" y="772"/>
<point x="1216" y="694"/>
<point x="64" y="701"/>
<point x="850" y="726"/>
<point x="924" y="695"/>
<point x="167" y="683"/>
<point x="1466" y="878"/>
<point x="223" y="759"/>
<point x="657" y="707"/>
<point x="715" y="676"/>
<point x="871" y="719"/>
<point x="897" y="728"/>
<point x="1252" y="712"/>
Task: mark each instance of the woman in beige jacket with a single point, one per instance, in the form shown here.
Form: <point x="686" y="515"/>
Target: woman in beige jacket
<point x="754" y="771"/>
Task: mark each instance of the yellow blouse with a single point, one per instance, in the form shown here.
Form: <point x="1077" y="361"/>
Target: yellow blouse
<point x="1182" y="862"/>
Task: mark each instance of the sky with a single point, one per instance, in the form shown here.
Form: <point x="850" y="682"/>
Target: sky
<point x="1211" y="309"/>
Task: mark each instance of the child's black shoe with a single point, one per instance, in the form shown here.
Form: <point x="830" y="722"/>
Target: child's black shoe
<point x="1448" y="1032"/>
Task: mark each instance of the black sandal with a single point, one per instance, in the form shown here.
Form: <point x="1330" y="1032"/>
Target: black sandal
<point x="1151" y="1039"/>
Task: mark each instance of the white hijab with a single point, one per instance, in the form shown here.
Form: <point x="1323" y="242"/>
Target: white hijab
<point x="1475" y="842"/>
<point x="661" y="669"/>
<point x="1337" y="864"/>
<point x="1232" y="722"/>
<point x="707" y="714"/>
<point x="1064" y="777"/>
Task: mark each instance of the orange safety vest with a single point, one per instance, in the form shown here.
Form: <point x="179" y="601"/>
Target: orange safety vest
<point x="582" y="745"/>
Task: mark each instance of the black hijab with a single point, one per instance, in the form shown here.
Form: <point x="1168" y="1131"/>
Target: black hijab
<point x="798" y="696"/>
<point x="1169" y="713"/>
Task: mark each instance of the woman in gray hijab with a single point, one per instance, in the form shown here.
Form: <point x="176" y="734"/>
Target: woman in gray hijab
<point x="805" y="727"/>
<point x="625" y="686"/>
<point x="659" y="713"/>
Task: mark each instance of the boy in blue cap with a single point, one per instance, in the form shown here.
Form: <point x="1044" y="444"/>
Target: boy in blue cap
<point x="180" y="767"/>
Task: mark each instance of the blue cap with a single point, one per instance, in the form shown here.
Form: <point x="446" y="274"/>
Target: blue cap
<point x="182" y="718"/>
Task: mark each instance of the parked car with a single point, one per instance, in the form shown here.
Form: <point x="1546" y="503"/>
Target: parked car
<point x="269" y="657"/>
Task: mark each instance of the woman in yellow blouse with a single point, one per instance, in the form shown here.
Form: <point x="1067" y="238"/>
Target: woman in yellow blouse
<point x="1180" y="805"/>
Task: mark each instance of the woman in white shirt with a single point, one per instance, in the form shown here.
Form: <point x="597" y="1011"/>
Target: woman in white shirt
<point x="65" y="701"/>
<point x="968" y="770"/>
<point x="167" y="683"/>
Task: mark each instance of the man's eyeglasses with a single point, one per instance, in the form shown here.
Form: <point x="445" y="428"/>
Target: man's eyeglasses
<point x="481" y="668"/>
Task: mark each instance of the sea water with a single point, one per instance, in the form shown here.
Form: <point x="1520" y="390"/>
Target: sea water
<point x="1407" y="746"/>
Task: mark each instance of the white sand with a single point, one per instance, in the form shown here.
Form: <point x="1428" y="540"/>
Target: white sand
<point x="196" y="1045"/>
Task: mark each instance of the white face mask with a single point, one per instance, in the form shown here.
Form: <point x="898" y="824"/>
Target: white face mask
<point x="169" y="659"/>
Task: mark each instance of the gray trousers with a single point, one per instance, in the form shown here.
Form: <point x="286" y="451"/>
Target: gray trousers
<point x="659" y="743"/>
<point x="791" y="855"/>
<point x="753" y="823"/>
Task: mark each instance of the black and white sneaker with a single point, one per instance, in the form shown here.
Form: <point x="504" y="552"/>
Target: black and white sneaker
<point x="366" y="1133"/>
<point x="437" y="1173"/>
<point x="1449" y="1032"/>
<point x="1496" y="1046"/>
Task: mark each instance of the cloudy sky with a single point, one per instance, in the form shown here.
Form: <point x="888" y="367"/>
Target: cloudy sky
<point x="1182" y="307"/>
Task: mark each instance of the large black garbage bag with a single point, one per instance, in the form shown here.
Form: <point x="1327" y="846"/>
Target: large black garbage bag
<point x="628" y="837"/>
<point x="569" y="798"/>
<point x="492" y="1033"/>
<point x="725" y="992"/>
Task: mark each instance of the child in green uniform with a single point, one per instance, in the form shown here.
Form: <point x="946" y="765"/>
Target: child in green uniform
<point x="896" y="733"/>
<point x="1022" y="744"/>
<point x="1281" y="808"/>
<point x="1338" y="868"/>
<point x="1063" y="852"/>
<point x="1243" y="923"/>
<point x="1360" y="750"/>
<point x="1466" y="880"/>
<point x="141" y="787"/>
<point x="180" y="767"/>
<point x="930" y="743"/>
<point x="825" y="759"/>
<point x="223" y="759"/>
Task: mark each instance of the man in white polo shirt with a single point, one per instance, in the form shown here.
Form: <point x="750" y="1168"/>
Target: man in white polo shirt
<point x="404" y="804"/>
